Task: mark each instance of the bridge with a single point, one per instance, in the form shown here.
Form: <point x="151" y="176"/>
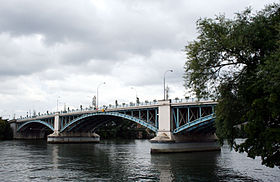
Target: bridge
<point x="179" y="126"/>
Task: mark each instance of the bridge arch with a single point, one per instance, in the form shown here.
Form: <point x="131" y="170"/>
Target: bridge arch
<point x="34" y="121"/>
<point x="200" y="122"/>
<point x="111" y="114"/>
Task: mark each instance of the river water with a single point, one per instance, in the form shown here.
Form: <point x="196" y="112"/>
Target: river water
<point x="124" y="160"/>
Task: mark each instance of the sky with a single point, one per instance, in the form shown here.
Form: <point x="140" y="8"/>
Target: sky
<point x="59" y="51"/>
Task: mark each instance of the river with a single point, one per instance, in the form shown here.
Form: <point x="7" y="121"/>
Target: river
<point x="124" y="160"/>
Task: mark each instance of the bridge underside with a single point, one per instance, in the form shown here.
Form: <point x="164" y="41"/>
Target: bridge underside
<point x="33" y="131"/>
<point x="91" y="124"/>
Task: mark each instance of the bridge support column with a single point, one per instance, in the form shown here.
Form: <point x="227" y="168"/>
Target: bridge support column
<point x="55" y="133"/>
<point x="56" y="124"/>
<point x="13" y="125"/>
<point x="164" y="133"/>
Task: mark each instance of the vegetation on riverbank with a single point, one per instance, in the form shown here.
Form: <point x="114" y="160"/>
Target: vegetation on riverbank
<point x="237" y="62"/>
<point x="123" y="129"/>
<point x="6" y="132"/>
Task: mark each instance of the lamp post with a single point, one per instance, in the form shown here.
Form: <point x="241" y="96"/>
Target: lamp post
<point x="135" y="94"/>
<point x="97" y="100"/>
<point x="164" y="82"/>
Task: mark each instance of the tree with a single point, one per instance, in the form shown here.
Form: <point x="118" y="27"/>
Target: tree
<point x="237" y="62"/>
<point x="6" y="132"/>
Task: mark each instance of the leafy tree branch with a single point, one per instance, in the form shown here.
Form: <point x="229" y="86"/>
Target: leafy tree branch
<point x="237" y="62"/>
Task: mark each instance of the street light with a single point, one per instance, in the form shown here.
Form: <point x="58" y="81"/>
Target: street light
<point x="164" y="82"/>
<point x="97" y="100"/>
<point x="135" y="93"/>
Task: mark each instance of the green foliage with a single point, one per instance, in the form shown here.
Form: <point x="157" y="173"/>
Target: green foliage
<point x="237" y="62"/>
<point x="122" y="128"/>
<point x="6" y="132"/>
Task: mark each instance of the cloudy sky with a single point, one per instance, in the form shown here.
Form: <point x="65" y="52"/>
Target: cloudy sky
<point x="65" y="48"/>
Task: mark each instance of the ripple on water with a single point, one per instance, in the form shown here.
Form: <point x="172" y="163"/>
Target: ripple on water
<point x="124" y="160"/>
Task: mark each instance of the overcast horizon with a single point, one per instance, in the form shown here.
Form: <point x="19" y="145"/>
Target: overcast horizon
<point x="65" y="49"/>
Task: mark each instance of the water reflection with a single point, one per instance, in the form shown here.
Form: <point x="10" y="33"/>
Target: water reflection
<point x="54" y="156"/>
<point x="199" y="166"/>
<point x="123" y="160"/>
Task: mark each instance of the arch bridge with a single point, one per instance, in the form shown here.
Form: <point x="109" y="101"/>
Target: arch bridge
<point x="170" y="121"/>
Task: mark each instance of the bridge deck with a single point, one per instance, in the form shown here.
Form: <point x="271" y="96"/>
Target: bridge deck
<point x="116" y="109"/>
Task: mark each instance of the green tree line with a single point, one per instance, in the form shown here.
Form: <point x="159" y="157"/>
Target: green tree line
<point x="123" y="129"/>
<point x="237" y="62"/>
<point x="6" y="132"/>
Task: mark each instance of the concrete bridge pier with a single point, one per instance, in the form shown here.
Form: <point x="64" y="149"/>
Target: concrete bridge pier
<point x="70" y="137"/>
<point x="164" y="134"/>
<point x="165" y="141"/>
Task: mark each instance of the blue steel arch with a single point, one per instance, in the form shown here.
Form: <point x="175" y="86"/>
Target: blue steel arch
<point x="117" y="114"/>
<point x="196" y="123"/>
<point x="35" y="121"/>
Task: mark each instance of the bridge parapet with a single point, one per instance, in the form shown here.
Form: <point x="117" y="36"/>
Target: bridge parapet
<point x="175" y="102"/>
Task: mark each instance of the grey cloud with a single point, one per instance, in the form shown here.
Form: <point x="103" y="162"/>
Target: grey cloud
<point x="87" y="33"/>
<point x="22" y="58"/>
<point x="104" y="34"/>
<point x="143" y="71"/>
<point x="57" y="21"/>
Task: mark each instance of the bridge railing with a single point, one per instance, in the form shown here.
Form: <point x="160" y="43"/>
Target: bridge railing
<point x="119" y="106"/>
<point x="131" y="104"/>
<point x="34" y="116"/>
<point x="187" y="100"/>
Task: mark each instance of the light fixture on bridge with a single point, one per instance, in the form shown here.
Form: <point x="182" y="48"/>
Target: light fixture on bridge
<point x="137" y="99"/>
<point x="164" y="98"/>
